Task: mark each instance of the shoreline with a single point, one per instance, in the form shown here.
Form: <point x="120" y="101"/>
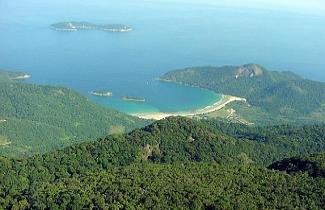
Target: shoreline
<point x="225" y="100"/>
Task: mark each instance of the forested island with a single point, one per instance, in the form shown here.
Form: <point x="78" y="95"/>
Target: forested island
<point x="133" y="98"/>
<point x="75" y="26"/>
<point x="101" y="93"/>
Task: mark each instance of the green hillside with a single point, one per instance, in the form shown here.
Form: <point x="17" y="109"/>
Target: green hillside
<point x="314" y="165"/>
<point x="172" y="163"/>
<point x="272" y="96"/>
<point x="36" y="119"/>
<point x="176" y="186"/>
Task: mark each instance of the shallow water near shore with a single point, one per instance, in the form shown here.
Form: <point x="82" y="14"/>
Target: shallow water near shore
<point x="166" y="36"/>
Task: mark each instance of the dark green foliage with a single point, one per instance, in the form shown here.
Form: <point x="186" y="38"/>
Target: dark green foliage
<point x="314" y="165"/>
<point x="174" y="163"/>
<point x="280" y="95"/>
<point x="181" y="186"/>
<point x="43" y="118"/>
<point x="183" y="140"/>
<point x="179" y="139"/>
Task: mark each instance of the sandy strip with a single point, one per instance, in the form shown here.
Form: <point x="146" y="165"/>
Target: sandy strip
<point x="225" y="99"/>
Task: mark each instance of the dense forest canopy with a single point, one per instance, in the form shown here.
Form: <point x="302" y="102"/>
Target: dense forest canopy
<point x="171" y="163"/>
<point x="52" y="160"/>
<point x="314" y="165"/>
<point x="280" y="96"/>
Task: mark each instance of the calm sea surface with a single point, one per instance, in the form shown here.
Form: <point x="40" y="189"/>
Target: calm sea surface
<point x="166" y="36"/>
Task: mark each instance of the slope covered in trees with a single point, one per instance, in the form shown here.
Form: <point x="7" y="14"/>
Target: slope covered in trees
<point x="171" y="163"/>
<point x="36" y="118"/>
<point x="276" y="96"/>
<point x="161" y="186"/>
<point x="314" y="165"/>
<point x="181" y="139"/>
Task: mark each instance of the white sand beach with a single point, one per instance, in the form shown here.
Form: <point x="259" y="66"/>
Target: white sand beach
<point x="225" y="99"/>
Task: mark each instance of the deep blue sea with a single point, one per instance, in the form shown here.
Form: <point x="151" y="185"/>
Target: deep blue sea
<point x="167" y="35"/>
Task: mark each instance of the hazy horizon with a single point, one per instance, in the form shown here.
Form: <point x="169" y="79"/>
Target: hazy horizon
<point x="301" y="6"/>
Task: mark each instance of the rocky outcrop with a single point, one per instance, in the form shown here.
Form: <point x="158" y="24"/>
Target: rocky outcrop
<point x="251" y="70"/>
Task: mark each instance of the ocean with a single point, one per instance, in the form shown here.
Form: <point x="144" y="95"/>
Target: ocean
<point x="167" y="35"/>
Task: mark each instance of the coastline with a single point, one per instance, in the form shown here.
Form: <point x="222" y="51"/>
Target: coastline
<point x="225" y="100"/>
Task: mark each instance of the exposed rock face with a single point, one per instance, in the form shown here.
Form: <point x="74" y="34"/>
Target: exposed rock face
<point x="251" y="70"/>
<point x="150" y="151"/>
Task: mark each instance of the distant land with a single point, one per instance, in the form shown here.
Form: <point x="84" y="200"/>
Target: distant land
<point x="75" y="26"/>
<point x="271" y="96"/>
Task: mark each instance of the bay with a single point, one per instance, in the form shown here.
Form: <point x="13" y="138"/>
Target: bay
<point x="167" y="35"/>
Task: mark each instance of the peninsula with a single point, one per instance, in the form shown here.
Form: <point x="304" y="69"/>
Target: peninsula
<point x="273" y="96"/>
<point x="76" y="26"/>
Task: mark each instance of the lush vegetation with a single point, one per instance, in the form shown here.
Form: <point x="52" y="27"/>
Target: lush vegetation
<point x="314" y="165"/>
<point x="273" y="96"/>
<point x="36" y="119"/>
<point x="177" y="163"/>
<point x="174" y="163"/>
<point x="179" y="186"/>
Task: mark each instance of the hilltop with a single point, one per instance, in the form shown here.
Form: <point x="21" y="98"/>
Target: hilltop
<point x="273" y="97"/>
<point x="170" y="163"/>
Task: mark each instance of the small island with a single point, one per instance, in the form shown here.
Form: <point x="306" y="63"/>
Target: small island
<point x="133" y="98"/>
<point x="75" y="26"/>
<point x="101" y="93"/>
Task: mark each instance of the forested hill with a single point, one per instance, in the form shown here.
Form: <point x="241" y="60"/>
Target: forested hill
<point x="280" y="96"/>
<point x="171" y="163"/>
<point x="36" y="119"/>
<point x="180" y="139"/>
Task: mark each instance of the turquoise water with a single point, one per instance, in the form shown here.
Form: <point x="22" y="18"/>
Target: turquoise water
<point x="166" y="36"/>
